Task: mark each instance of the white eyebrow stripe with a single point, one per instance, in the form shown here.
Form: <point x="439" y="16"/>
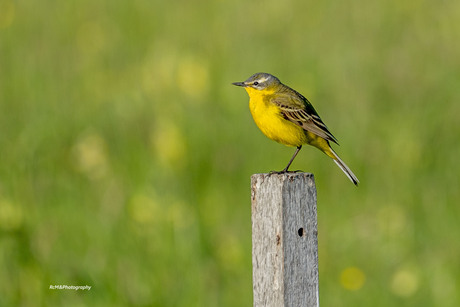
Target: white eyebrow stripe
<point x="263" y="79"/>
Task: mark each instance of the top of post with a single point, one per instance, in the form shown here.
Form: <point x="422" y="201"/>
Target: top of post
<point x="283" y="176"/>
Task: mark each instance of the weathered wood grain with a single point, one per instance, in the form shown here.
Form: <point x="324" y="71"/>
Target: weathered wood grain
<point x="284" y="240"/>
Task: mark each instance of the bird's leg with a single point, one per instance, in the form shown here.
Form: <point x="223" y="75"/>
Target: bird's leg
<point x="285" y="170"/>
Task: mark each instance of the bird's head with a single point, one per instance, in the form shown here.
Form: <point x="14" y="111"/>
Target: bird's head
<point x="260" y="82"/>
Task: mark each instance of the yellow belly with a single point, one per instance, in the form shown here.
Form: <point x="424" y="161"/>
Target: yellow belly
<point x="269" y="120"/>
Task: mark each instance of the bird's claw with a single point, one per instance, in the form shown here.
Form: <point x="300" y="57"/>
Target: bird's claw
<point x="284" y="171"/>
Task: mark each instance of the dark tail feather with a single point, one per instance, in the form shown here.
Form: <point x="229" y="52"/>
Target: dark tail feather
<point x="345" y="169"/>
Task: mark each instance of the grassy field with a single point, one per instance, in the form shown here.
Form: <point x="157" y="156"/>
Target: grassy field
<point x="126" y="153"/>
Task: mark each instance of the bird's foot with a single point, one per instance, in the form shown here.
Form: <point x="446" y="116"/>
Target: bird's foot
<point x="284" y="171"/>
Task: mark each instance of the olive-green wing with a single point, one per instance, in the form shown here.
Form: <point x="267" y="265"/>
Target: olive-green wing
<point x="297" y="109"/>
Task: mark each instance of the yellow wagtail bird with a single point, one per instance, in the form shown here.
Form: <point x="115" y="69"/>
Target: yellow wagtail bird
<point x="285" y="116"/>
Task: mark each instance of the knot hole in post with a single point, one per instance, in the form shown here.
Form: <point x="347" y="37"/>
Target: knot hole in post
<point x="301" y="232"/>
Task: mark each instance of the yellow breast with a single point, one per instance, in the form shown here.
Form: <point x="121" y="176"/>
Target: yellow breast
<point x="268" y="118"/>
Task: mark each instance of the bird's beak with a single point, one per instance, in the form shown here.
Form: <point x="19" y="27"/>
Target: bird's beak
<point x="239" y="84"/>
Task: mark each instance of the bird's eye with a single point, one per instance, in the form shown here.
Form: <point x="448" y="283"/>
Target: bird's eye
<point x="256" y="83"/>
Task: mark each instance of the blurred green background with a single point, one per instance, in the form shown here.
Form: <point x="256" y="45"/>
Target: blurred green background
<point x="126" y="154"/>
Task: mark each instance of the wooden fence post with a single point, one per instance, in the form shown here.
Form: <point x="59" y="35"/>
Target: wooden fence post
<point x="284" y="240"/>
